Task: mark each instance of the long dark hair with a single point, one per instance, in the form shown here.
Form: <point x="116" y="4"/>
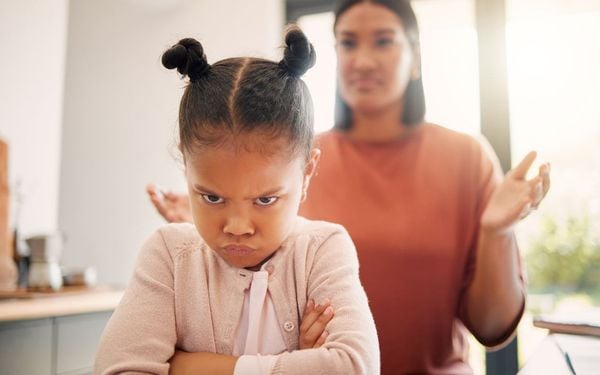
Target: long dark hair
<point x="244" y="95"/>
<point x="414" y="97"/>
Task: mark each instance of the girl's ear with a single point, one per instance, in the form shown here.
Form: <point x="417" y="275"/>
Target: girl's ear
<point x="310" y="170"/>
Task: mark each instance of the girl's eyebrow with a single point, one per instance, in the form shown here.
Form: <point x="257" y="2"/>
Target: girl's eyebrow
<point x="203" y="189"/>
<point x="267" y="193"/>
<point x="271" y="192"/>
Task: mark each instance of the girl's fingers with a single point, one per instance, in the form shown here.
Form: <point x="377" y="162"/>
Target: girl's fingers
<point x="315" y="331"/>
<point x="310" y="305"/>
<point x="321" y="340"/>
<point x="309" y="319"/>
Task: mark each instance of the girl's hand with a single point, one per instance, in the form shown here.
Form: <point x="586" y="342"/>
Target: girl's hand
<point x="516" y="197"/>
<point x="314" y="322"/>
<point x="173" y="207"/>
<point x="201" y="363"/>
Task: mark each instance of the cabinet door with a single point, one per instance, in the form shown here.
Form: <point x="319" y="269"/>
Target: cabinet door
<point x="26" y="347"/>
<point x="77" y="340"/>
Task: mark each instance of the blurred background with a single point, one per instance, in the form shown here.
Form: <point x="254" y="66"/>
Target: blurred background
<point x="90" y="116"/>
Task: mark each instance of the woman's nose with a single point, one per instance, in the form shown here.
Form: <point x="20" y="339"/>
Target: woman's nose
<point x="364" y="59"/>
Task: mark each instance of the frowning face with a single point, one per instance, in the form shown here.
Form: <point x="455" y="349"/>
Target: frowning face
<point x="244" y="203"/>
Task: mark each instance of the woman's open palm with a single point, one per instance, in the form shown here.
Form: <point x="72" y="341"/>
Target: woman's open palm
<point x="516" y="196"/>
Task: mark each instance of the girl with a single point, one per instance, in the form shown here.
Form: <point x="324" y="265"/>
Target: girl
<point x="225" y="295"/>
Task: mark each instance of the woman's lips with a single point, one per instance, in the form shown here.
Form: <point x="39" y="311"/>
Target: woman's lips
<point x="238" y="250"/>
<point x="365" y="83"/>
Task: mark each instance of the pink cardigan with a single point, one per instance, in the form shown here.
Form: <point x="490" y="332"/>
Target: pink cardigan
<point x="183" y="296"/>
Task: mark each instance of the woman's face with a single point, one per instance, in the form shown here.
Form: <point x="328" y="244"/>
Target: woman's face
<point x="375" y="58"/>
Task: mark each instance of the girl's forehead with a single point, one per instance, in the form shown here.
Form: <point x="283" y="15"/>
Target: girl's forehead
<point x="237" y="160"/>
<point x="247" y="145"/>
<point x="233" y="173"/>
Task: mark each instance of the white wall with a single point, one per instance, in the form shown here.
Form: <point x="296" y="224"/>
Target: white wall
<point x="120" y="113"/>
<point x="33" y="36"/>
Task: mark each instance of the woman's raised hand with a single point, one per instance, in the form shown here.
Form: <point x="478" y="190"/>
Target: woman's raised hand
<point x="173" y="207"/>
<point x="516" y="196"/>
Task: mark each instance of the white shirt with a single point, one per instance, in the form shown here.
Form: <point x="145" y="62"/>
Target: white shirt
<point x="258" y="336"/>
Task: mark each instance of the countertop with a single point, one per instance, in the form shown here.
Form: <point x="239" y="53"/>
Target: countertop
<point x="71" y="302"/>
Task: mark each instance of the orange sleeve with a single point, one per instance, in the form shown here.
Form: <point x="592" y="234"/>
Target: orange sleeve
<point x="488" y="176"/>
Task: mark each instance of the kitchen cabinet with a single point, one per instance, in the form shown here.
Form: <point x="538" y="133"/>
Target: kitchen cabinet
<point x="63" y="342"/>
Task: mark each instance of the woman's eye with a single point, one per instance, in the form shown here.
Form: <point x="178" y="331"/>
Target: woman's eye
<point x="383" y="42"/>
<point x="265" y="201"/>
<point x="212" y="199"/>
<point x="347" y="43"/>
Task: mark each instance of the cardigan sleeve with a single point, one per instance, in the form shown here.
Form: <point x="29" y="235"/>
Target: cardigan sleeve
<point x="352" y="346"/>
<point x="140" y="336"/>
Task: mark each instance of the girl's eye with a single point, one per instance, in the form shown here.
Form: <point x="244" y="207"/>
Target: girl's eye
<point x="212" y="199"/>
<point x="265" y="201"/>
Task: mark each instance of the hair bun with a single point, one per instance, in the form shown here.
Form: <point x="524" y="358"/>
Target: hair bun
<point x="299" y="54"/>
<point x="188" y="57"/>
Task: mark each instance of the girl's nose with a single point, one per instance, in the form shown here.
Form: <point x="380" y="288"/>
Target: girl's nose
<point x="238" y="225"/>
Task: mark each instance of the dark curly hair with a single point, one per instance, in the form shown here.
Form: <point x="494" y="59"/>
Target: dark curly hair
<point x="244" y="95"/>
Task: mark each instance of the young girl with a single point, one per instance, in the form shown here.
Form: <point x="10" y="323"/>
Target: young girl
<point x="226" y="295"/>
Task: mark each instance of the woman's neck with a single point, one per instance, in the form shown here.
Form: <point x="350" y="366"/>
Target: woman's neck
<point x="380" y="126"/>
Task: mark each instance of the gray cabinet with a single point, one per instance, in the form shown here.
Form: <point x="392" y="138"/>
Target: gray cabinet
<point x="53" y="346"/>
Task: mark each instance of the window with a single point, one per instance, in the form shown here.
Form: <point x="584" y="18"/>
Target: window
<point x="553" y="60"/>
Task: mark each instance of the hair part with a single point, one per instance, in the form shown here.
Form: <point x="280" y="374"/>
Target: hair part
<point x="238" y="97"/>
<point x="414" y="96"/>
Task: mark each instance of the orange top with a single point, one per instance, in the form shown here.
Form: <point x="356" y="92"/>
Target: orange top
<point x="412" y="207"/>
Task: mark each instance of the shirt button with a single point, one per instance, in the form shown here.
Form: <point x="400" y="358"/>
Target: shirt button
<point x="288" y="326"/>
<point x="269" y="268"/>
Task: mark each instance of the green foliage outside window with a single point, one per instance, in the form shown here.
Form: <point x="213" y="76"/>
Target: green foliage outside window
<point x="565" y="259"/>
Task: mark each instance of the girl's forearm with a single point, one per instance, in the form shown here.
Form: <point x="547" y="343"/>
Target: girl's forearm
<point x="496" y="294"/>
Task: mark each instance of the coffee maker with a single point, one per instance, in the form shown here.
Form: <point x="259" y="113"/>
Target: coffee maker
<point x="44" y="269"/>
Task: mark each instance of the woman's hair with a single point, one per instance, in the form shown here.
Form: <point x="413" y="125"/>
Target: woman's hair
<point x="414" y="97"/>
<point x="244" y="96"/>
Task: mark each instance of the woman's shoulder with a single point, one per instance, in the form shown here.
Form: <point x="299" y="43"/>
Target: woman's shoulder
<point x="439" y="133"/>
<point x="315" y="228"/>
<point x="452" y="142"/>
<point x="309" y="236"/>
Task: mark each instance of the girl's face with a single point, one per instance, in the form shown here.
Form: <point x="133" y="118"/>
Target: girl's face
<point x="244" y="203"/>
<point x="375" y="58"/>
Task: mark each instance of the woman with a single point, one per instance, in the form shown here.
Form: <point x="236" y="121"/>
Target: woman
<point x="426" y="207"/>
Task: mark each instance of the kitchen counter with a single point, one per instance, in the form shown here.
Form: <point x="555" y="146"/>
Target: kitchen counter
<point x="69" y="303"/>
<point x="54" y="333"/>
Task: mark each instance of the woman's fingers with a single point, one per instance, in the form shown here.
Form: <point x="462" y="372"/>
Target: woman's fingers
<point x="545" y="174"/>
<point x="520" y="171"/>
